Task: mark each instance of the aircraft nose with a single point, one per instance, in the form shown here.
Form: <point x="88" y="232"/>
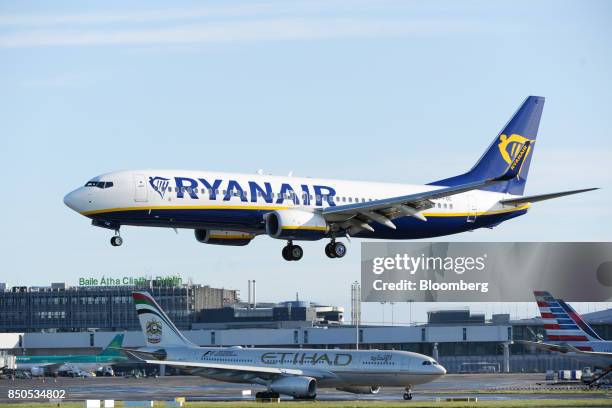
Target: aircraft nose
<point x="441" y="370"/>
<point x="73" y="200"/>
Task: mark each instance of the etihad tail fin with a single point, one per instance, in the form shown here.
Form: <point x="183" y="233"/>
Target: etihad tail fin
<point x="113" y="347"/>
<point x="561" y="322"/>
<point x="517" y="139"/>
<point x="158" y="329"/>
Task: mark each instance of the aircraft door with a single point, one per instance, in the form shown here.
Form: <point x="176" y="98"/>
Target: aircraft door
<point x="472" y="208"/>
<point x="140" y="188"/>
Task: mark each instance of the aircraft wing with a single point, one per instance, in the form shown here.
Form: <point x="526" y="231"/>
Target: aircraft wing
<point x="564" y="348"/>
<point x="384" y="210"/>
<point x="542" y="197"/>
<point x="245" y="372"/>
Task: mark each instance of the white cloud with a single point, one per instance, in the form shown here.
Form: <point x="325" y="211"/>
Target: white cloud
<point x="237" y="31"/>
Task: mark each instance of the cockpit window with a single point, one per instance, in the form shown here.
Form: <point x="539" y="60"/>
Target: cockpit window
<point x="99" y="184"/>
<point x="426" y="362"/>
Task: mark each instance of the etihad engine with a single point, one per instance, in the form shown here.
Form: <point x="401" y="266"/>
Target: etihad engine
<point x="220" y="237"/>
<point x="301" y="387"/>
<point x="295" y="224"/>
<point x="360" y="390"/>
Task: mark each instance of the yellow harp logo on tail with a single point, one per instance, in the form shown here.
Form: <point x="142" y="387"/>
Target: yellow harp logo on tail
<point x="510" y="146"/>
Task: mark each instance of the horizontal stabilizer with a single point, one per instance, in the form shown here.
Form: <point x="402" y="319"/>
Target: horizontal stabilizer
<point x="542" y="197"/>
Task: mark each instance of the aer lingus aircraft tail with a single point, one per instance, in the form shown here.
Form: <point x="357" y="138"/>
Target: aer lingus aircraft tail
<point x="523" y="127"/>
<point x="113" y="348"/>
<point x="158" y="329"/>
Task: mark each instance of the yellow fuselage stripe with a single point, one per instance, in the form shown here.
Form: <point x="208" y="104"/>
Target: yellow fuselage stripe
<point x="272" y="208"/>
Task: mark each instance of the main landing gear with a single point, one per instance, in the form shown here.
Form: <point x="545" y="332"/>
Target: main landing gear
<point x="295" y="252"/>
<point x="408" y="394"/>
<point x="335" y="249"/>
<point x="292" y="252"/>
<point x="266" y="395"/>
<point x="116" y="240"/>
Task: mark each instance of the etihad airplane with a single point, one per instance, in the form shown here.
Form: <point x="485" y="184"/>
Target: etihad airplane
<point x="568" y="333"/>
<point x="296" y="372"/>
<point x="232" y="209"/>
<point x="74" y="363"/>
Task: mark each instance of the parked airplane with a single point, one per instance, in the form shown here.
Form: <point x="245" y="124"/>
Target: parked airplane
<point x="75" y="364"/>
<point x="568" y="333"/>
<point x="232" y="209"/>
<point x="297" y="372"/>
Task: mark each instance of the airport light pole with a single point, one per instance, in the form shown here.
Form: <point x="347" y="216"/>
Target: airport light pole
<point x="356" y="309"/>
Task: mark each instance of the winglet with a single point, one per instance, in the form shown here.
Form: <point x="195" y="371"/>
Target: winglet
<point x="514" y="169"/>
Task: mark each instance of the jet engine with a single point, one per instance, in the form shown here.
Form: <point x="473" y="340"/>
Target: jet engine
<point x="221" y="237"/>
<point x="360" y="389"/>
<point x="296" y="224"/>
<point x="299" y="387"/>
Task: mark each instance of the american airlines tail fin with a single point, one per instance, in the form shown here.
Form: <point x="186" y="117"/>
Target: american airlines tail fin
<point x="505" y="148"/>
<point x="114" y="346"/>
<point x="158" y="329"/>
<point x="561" y="322"/>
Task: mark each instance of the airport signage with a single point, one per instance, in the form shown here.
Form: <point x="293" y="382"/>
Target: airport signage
<point x="485" y="271"/>
<point x="130" y="281"/>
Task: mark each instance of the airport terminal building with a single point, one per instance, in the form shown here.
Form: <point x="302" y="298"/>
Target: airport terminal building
<point x="63" y="308"/>
<point x="460" y="340"/>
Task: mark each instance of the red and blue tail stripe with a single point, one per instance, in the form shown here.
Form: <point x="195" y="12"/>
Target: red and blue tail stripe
<point x="562" y="323"/>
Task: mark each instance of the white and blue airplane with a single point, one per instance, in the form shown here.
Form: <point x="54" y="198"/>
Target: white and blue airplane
<point x="232" y="209"/>
<point x="297" y="372"/>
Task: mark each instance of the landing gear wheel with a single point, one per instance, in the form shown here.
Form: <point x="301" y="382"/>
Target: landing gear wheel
<point x="329" y="250"/>
<point x="292" y="252"/>
<point x="338" y="249"/>
<point x="286" y="255"/>
<point x="267" y="395"/>
<point x="407" y="396"/>
<point x="116" y="240"/>
<point x="296" y="252"/>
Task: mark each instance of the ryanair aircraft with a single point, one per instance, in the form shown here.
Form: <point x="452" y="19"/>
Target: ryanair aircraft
<point x="232" y="209"/>
<point x="296" y="372"/>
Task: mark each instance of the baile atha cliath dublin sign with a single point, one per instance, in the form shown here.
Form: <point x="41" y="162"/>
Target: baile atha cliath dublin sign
<point x="130" y="281"/>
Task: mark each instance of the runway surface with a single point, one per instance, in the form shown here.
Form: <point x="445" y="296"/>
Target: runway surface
<point x="200" y="389"/>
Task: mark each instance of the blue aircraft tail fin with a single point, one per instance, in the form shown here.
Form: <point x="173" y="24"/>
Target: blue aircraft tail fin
<point x="504" y="150"/>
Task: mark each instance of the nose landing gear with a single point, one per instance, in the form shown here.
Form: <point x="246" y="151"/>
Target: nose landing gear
<point x="335" y="249"/>
<point x="116" y="240"/>
<point x="408" y="394"/>
<point x="292" y="252"/>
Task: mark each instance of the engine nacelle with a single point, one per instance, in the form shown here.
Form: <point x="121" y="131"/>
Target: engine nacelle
<point x="360" y="390"/>
<point x="296" y="224"/>
<point x="220" y="237"/>
<point x="300" y="387"/>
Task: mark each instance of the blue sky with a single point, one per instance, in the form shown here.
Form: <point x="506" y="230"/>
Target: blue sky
<point x="400" y="91"/>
